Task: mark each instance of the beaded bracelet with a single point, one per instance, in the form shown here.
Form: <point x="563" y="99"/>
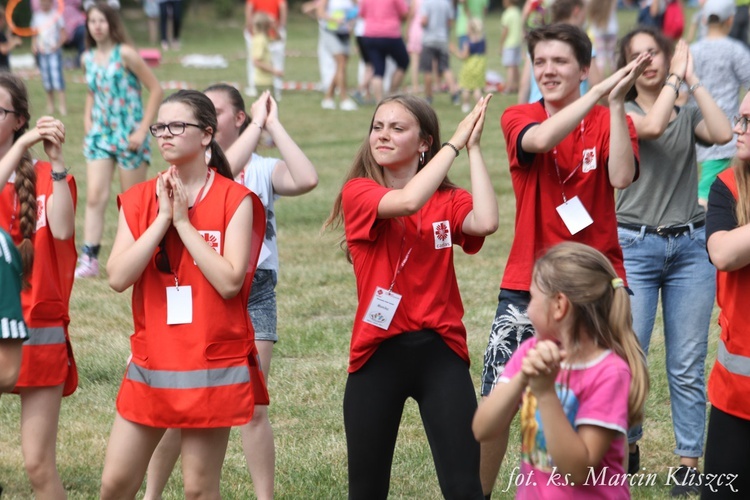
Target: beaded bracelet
<point x="675" y="87"/>
<point x="59" y="176"/>
<point x="454" y="148"/>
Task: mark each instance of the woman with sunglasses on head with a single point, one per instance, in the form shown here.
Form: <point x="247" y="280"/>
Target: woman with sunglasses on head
<point x="662" y="234"/>
<point x="37" y="209"/>
<point x="187" y="241"/>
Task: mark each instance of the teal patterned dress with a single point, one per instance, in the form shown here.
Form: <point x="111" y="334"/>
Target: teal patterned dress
<point x="116" y="113"/>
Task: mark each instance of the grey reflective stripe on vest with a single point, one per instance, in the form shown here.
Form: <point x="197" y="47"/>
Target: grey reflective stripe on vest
<point x="46" y="336"/>
<point x="13" y="329"/>
<point x="734" y="363"/>
<point x="194" y="379"/>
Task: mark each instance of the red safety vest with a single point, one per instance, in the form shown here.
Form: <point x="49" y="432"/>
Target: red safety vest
<point x="47" y="358"/>
<point x="729" y="383"/>
<point x="205" y="373"/>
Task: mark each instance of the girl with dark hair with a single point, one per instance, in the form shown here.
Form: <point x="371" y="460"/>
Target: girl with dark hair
<point x="401" y="218"/>
<point x="269" y="178"/>
<point x="188" y="242"/>
<point x="37" y="209"/>
<point x="662" y="234"/>
<point x="115" y="123"/>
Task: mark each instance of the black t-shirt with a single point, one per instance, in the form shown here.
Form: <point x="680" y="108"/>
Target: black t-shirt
<point x="720" y="215"/>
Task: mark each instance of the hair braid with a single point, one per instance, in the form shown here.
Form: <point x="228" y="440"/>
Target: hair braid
<point x="26" y="188"/>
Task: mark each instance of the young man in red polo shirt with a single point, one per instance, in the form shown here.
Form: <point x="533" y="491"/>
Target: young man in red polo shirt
<point x="567" y="155"/>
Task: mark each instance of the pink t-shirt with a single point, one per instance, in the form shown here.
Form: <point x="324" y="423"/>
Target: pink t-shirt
<point x="383" y="18"/>
<point x="594" y="393"/>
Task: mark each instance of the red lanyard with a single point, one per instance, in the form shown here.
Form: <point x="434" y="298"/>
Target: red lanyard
<point x="403" y="262"/>
<point x="557" y="167"/>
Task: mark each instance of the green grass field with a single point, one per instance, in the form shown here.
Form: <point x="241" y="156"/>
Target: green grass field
<point x="316" y="297"/>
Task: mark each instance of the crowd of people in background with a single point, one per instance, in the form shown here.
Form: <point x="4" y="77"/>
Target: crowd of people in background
<point x="629" y="160"/>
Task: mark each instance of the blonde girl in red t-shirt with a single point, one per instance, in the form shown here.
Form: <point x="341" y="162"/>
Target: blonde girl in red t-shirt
<point x="187" y="242"/>
<point x="401" y="218"/>
<point x="37" y="208"/>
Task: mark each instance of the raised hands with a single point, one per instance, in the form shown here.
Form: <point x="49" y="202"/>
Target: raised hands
<point x="681" y="60"/>
<point x="541" y="366"/>
<point x="469" y="131"/>
<point x="261" y="108"/>
<point x="622" y="80"/>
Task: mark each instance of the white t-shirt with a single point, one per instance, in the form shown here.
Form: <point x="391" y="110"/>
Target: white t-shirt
<point x="49" y="25"/>
<point x="257" y="178"/>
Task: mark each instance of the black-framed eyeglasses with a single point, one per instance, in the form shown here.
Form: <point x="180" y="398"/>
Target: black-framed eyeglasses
<point x="741" y="121"/>
<point x="175" y="128"/>
<point x="4" y="112"/>
<point x="161" y="260"/>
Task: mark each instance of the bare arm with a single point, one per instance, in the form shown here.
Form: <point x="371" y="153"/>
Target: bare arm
<point x="135" y="63"/>
<point x="483" y="219"/>
<point x="497" y="410"/>
<point x="715" y="128"/>
<point x="422" y="186"/>
<point x="241" y="150"/>
<point x="730" y="250"/>
<point x="296" y="174"/>
<point x="60" y="209"/>
<point x="88" y="106"/>
<point x="226" y="272"/>
<point x="283" y="14"/>
<point x="129" y="256"/>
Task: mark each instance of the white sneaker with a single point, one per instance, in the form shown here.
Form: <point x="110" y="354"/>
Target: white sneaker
<point x="251" y="92"/>
<point x="328" y="104"/>
<point x="88" y="267"/>
<point x="348" y="105"/>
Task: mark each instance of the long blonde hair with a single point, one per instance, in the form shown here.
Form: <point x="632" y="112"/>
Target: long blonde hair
<point x="600" y="309"/>
<point x="742" y="176"/>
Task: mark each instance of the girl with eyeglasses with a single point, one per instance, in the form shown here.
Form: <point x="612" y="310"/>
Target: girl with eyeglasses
<point x="188" y="242"/>
<point x="114" y="120"/>
<point x="37" y="209"/>
<point x="728" y="235"/>
<point x="662" y="234"/>
<point x="293" y="175"/>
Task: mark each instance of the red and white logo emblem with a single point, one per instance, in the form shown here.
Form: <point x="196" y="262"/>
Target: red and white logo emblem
<point x="213" y="238"/>
<point x="589" y="160"/>
<point x="441" y="231"/>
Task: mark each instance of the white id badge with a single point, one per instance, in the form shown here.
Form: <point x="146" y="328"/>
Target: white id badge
<point x="179" y="305"/>
<point x="382" y="308"/>
<point x="574" y="215"/>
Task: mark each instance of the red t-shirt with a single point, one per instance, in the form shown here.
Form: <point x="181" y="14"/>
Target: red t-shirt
<point x="538" y="190"/>
<point x="270" y="7"/>
<point x="427" y="282"/>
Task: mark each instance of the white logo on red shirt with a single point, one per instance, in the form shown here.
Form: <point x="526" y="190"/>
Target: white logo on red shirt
<point x="442" y="233"/>
<point x="41" y="212"/>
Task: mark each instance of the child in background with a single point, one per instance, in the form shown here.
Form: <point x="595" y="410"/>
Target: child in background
<point x="151" y="9"/>
<point x="579" y="382"/>
<point x="601" y="17"/>
<point x="264" y="70"/>
<point x="8" y="42"/>
<point x="723" y="66"/>
<point x="414" y="42"/>
<point x="510" y="43"/>
<point x="47" y="46"/>
<point x="437" y="18"/>
<point x="472" y="76"/>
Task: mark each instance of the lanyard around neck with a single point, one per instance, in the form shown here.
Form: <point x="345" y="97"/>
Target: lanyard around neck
<point x="403" y="262"/>
<point x="573" y="172"/>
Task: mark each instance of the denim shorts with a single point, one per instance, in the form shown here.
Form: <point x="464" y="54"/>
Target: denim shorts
<point x="261" y="306"/>
<point x="510" y="327"/>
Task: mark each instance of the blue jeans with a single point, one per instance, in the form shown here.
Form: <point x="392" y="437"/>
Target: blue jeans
<point x="679" y="267"/>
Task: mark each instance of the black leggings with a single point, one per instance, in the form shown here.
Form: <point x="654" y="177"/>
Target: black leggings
<point x="727" y="456"/>
<point x="418" y="365"/>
